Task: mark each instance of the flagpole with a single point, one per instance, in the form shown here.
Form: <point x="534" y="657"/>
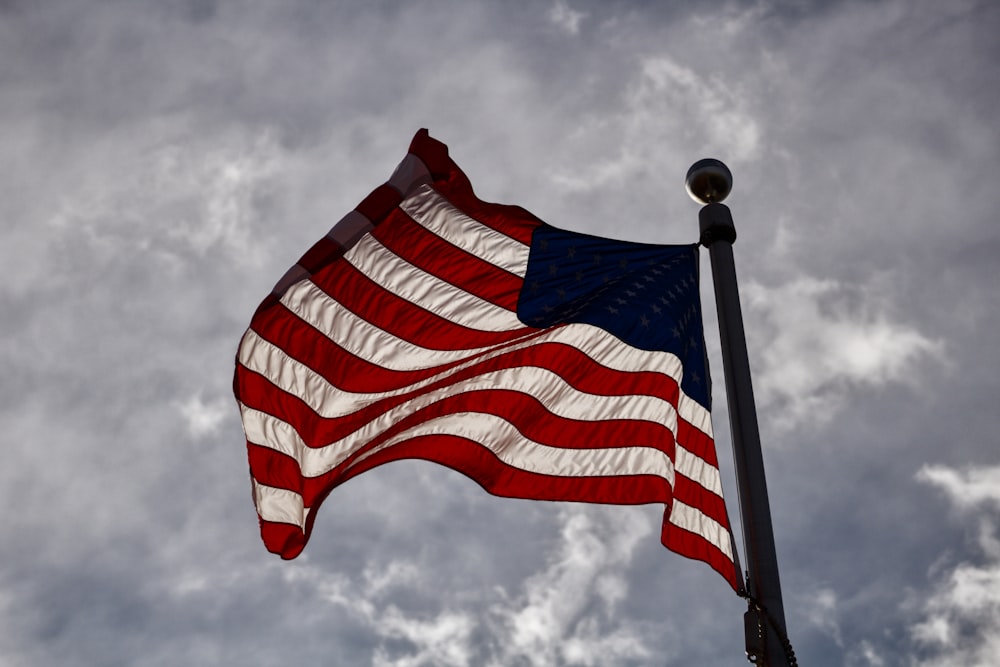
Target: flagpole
<point x="709" y="182"/>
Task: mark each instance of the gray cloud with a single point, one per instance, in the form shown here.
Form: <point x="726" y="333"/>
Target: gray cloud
<point x="163" y="163"/>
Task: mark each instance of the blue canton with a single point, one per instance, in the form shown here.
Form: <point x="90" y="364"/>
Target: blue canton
<point x="645" y="295"/>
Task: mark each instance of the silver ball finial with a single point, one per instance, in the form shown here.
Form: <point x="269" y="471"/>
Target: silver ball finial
<point x="709" y="181"/>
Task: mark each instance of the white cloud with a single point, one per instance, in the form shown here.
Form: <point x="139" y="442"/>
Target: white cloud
<point x="204" y="418"/>
<point x="398" y="574"/>
<point x="703" y="103"/>
<point x="960" y="619"/>
<point x="566" y="17"/>
<point x="11" y="618"/>
<point x="144" y="136"/>
<point x="820" y="339"/>
<point x="175" y="196"/>
<point x="230" y="178"/>
<point x="565" y="614"/>
<point x="668" y="105"/>
<point x="443" y="640"/>
<point x="405" y="639"/>
<point x="733" y="19"/>
<point x="865" y="654"/>
<point x="591" y="647"/>
<point x="967" y="489"/>
<point x="335" y="588"/>
<point x="550" y="622"/>
<point x="821" y="610"/>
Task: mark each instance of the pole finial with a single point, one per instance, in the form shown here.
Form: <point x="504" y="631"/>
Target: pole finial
<point x="709" y="181"/>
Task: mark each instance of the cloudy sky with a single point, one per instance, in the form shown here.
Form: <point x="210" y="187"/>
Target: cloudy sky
<point x="162" y="164"/>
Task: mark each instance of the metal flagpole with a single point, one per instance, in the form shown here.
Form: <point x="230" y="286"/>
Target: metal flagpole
<point x="709" y="182"/>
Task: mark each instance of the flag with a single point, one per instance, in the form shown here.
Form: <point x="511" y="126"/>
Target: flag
<point x="541" y="363"/>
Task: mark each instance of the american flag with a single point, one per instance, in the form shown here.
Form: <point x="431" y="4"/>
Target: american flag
<point x="541" y="363"/>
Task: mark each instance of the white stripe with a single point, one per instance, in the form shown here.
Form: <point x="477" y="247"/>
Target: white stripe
<point x="283" y="506"/>
<point x="268" y="431"/>
<point x="550" y="389"/>
<point x="279" y="505"/>
<point x="698" y="470"/>
<point x="363" y="339"/>
<point x="440" y="216"/>
<point x="694" y="413"/>
<point x="558" y="397"/>
<point x="379" y="347"/>
<point x="542" y="384"/>
<point x="509" y="445"/>
<point x="292" y="276"/>
<point x="693" y="520"/>
<point x="427" y="291"/>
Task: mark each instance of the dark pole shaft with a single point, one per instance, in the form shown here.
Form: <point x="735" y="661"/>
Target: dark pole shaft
<point x="718" y="234"/>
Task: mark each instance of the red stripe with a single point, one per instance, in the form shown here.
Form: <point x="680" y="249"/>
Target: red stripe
<point x="690" y="492"/>
<point x="526" y="413"/>
<point x="353" y="374"/>
<point x="697" y="442"/>
<point x="346" y="371"/>
<point x="272" y="468"/>
<point x="283" y="539"/>
<point x="454" y="451"/>
<point x="482" y="466"/>
<point x="400" y="317"/>
<point x="512" y="221"/>
<point x="576" y="369"/>
<point x="431" y="253"/>
<point x="318" y="432"/>
<point x="338" y="366"/>
<point x="697" y="547"/>
<point x="377" y="205"/>
<point x="432" y="153"/>
<point x="454" y="185"/>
